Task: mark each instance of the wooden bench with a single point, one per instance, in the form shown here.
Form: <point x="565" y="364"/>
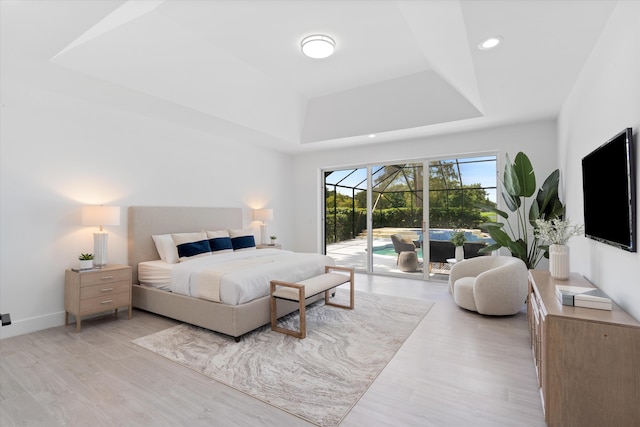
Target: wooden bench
<point x="305" y="289"/>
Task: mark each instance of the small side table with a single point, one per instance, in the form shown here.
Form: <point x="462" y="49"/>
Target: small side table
<point x="96" y="290"/>
<point x="276" y="246"/>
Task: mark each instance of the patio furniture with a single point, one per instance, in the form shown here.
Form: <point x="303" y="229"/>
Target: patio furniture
<point x="400" y="244"/>
<point x="408" y="261"/>
<point x="471" y="249"/>
<point x="492" y="285"/>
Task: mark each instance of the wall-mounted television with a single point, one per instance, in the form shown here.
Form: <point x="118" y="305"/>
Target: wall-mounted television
<point x="608" y="183"/>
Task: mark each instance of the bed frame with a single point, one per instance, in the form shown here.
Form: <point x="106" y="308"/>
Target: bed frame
<point x="232" y="320"/>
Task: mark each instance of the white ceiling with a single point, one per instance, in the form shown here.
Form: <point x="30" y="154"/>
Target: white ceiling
<point x="401" y="69"/>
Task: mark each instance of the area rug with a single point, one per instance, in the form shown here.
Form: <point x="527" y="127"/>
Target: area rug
<point x="319" y="378"/>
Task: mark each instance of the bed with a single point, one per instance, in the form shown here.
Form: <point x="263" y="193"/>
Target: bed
<point x="233" y="315"/>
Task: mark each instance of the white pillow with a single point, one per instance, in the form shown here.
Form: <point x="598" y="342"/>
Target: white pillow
<point x="242" y="240"/>
<point x="166" y="248"/>
<point x="191" y="245"/>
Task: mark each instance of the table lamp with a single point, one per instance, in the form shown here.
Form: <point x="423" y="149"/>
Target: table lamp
<point x="263" y="215"/>
<point x="100" y="216"/>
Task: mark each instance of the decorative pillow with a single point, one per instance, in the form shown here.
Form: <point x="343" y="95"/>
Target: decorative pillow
<point x="242" y="240"/>
<point x="191" y="245"/>
<point x="219" y="241"/>
<point x="166" y="248"/>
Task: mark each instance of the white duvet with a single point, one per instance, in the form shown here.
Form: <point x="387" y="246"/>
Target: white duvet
<point x="238" y="277"/>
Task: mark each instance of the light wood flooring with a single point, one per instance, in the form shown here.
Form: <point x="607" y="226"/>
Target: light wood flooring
<point x="456" y="369"/>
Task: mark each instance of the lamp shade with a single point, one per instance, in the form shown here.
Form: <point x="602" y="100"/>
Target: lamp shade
<point x="263" y="214"/>
<point x="100" y="215"/>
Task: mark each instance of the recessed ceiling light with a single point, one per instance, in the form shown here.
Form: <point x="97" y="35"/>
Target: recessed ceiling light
<point x="490" y="43"/>
<point x="372" y="135"/>
<point x="318" y="46"/>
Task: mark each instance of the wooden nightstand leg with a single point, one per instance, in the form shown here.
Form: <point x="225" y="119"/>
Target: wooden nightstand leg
<point x="78" y="321"/>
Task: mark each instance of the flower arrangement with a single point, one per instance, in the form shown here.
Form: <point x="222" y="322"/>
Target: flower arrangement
<point x="557" y="231"/>
<point x="458" y="237"/>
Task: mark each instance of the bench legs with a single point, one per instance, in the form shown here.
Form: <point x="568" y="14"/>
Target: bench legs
<point x="302" y="333"/>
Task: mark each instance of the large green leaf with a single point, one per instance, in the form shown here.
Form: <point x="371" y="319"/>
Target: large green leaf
<point x="513" y="202"/>
<point x="499" y="236"/>
<point x="519" y="250"/>
<point x="510" y="182"/>
<point x="522" y="172"/>
<point x="547" y="198"/>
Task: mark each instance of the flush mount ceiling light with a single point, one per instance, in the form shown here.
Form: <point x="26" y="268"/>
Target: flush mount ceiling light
<point x="490" y="43"/>
<point x="318" y="46"/>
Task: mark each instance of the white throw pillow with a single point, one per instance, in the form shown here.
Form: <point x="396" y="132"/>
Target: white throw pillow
<point x="166" y="248"/>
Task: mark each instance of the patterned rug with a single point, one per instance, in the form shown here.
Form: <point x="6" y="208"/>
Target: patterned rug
<point x="319" y="378"/>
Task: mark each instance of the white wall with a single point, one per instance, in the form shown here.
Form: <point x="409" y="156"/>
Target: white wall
<point x="59" y="153"/>
<point x="604" y="101"/>
<point x="536" y="139"/>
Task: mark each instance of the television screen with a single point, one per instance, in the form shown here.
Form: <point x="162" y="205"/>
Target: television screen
<point x="608" y="182"/>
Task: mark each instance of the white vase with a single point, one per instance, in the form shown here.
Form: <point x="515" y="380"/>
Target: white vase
<point x="459" y="253"/>
<point x="559" y="261"/>
<point x="86" y="264"/>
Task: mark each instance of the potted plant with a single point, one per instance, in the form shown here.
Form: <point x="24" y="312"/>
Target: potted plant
<point x="557" y="232"/>
<point x="273" y="240"/>
<point x="86" y="261"/>
<point x="458" y="238"/>
<point x="517" y="186"/>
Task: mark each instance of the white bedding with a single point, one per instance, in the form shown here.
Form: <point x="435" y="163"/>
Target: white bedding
<point x="156" y="274"/>
<point x="239" y="277"/>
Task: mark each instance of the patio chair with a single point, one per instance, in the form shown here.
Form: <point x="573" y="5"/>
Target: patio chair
<point x="400" y="244"/>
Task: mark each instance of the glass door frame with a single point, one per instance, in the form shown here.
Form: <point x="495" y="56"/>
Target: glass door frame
<point x="369" y="219"/>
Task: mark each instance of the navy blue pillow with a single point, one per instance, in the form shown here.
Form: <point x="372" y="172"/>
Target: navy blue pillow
<point x="220" y="244"/>
<point x="191" y="249"/>
<point x="243" y="242"/>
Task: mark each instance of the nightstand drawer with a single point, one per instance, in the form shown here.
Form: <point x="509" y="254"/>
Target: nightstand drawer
<point x="104" y="303"/>
<point x="101" y="277"/>
<point x="103" y="289"/>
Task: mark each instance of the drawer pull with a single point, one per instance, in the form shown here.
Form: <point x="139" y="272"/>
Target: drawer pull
<point x="109" y="301"/>
<point x="106" y="277"/>
<point x="107" y="289"/>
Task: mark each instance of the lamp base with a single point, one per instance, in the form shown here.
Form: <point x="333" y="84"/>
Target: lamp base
<point x="263" y="233"/>
<point x="100" y="249"/>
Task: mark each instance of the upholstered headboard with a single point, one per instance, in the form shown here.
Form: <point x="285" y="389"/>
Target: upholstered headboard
<point x="145" y="221"/>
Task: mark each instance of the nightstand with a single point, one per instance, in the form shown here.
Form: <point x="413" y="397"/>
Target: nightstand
<point x="96" y="290"/>
<point x="276" y="246"/>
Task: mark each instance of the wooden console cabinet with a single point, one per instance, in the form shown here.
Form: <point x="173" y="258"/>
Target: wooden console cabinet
<point x="587" y="360"/>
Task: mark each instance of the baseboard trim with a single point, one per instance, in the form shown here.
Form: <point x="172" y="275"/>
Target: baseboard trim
<point x="33" y="324"/>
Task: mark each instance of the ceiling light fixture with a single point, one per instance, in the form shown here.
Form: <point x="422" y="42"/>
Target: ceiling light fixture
<point x="318" y="46"/>
<point x="372" y="135"/>
<point x="490" y="43"/>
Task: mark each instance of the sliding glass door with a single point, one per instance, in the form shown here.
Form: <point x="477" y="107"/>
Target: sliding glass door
<point x="374" y="217"/>
<point x="397" y="208"/>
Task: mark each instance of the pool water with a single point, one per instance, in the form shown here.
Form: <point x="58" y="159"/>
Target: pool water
<point x="434" y="234"/>
<point x="388" y="250"/>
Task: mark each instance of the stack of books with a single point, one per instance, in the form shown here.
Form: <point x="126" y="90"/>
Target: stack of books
<point x="579" y="296"/>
